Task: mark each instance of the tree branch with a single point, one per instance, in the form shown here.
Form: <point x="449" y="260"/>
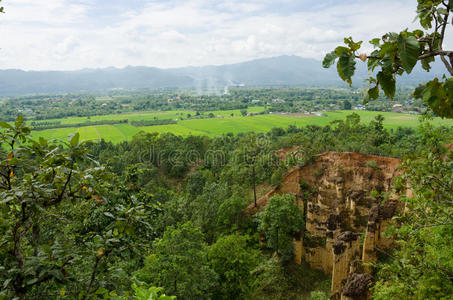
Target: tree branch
<point x="93" y="276"/>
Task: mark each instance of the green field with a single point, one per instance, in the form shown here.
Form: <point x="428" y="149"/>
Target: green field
<point x="152" y="115"/>
<point x="218" y="126"/>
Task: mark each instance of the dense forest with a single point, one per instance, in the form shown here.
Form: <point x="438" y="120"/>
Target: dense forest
<point x="165" y="214"/>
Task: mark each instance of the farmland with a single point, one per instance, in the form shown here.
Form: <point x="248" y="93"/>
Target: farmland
<point x="222" y="124"/>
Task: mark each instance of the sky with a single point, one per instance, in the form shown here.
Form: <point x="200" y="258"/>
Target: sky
<point x="77" y="34"/>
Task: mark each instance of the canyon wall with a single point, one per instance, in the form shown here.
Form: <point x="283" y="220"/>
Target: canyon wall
<point x="341" y="196"/>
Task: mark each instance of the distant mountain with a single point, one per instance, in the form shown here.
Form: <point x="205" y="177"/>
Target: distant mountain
<point x="276" y="71"/>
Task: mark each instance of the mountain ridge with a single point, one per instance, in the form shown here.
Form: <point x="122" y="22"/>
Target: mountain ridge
<point x="274" y="71"/>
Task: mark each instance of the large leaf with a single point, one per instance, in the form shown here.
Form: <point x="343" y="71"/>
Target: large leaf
<point x="373" y="62"/>
<point x="5" y="125"/>
<point x="329" y="59"/>
<point x="373" y="93"/>
<point x="346" y="67"/>
<point x="387" y="83"/>
<point x="74" y="139"/>
<point x="340" y="50"/>
<point x="438" y="96"/>
<point x="408" y="51"/>
<point x="426" y="63"/>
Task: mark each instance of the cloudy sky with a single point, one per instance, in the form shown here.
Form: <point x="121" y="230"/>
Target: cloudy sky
<point x="75" y="34"/>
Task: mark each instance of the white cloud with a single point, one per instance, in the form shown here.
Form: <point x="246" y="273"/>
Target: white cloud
<point x="65" y="34"/>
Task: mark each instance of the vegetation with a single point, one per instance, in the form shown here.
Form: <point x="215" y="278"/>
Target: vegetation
<point x="219" y="126"/>
<point x="79" y="218"/>
<point x="421" y="267"/>
<point x="280" y="221"/>
<point x="152" y="213"/>
<point x="396" y="54"/>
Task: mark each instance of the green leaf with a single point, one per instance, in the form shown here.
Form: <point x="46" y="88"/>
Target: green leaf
<point x="340" y="50"/>
<point x="346" y="67"/>
<point x="5" y="125"/>
<point x="375" y="42"/>
<point x="408" y="51"/>
<point x="19" y="120"/>
<point x="426" y="63"/>
<point x="329" y="59"/>
<point x="438" y="96"/>
<point x="387" y="83"/>
<point x="373" y="93"/>
<point x="352" y="45"/>
<point x="373" y="62"/>
<point x="74" y="139"/>
<point x="418" y="92"/>
<point x="108" y="214"/>
<point x="42" y="141"/>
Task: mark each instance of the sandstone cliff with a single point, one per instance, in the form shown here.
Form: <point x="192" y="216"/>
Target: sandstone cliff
<point x="345" y="213"/>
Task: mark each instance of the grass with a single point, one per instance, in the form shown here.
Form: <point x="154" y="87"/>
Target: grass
<point x="152" y="115"/>
<point x="218" y="126"/>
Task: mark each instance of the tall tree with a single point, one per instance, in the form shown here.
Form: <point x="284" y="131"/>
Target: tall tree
<point x="280" y="221"/>
<point x="233" y="260"/>
<point x="179" y="264"/>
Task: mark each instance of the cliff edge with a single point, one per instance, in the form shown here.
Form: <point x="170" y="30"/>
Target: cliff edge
<point x="341" y="196"/>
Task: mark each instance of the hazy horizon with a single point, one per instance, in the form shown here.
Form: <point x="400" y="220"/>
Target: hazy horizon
<point x="68" y="35"/>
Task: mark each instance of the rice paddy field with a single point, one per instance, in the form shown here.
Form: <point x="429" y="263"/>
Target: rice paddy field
<point x="222" y="124"/>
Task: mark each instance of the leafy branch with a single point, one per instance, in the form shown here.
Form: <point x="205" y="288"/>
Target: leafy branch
<point x="395" y="54"/>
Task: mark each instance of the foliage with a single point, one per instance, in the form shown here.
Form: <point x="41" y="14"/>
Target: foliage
<point x="319" y="295"/>
<point x="280" y="221"/>
<point x="231" y="214"/>
<point x="372" y="164"/>
<point x="124" y="204"/>
<point x="152" y="293"/>
<point x="398" y="53"/>
<point x="277" y="280"/>
<point x="233" y="259"/>
<point x="347" y="105"/>
<point x="422" y="265"/>
<point x="63" y="223"/>
<point x="179" y="264"/>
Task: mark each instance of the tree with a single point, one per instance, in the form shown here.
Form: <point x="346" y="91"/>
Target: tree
<point x="232" y="215"/>
<point x="347" y="105"/>
<point x="179" y="264"/>
<point x="280" y="221"/>
<point x="422" y="265"/>
<point x="62" y="221"/>
<point x="398" y="53"/>
<point x="233" y="260"/>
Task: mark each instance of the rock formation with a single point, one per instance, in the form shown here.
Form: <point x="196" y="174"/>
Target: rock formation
<point x="347" y="204"/>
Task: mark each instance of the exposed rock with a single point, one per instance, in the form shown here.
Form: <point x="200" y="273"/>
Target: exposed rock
<point x="348" y="236"/>
<point x="357" y="286"/>
<point x="387" y="211"/>
<point x="338" y="248"/>
<point x="332" y="221"/>
<point x="334" y="193"/>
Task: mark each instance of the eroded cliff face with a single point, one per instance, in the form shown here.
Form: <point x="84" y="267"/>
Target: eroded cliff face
<point x="345" y="217"/>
